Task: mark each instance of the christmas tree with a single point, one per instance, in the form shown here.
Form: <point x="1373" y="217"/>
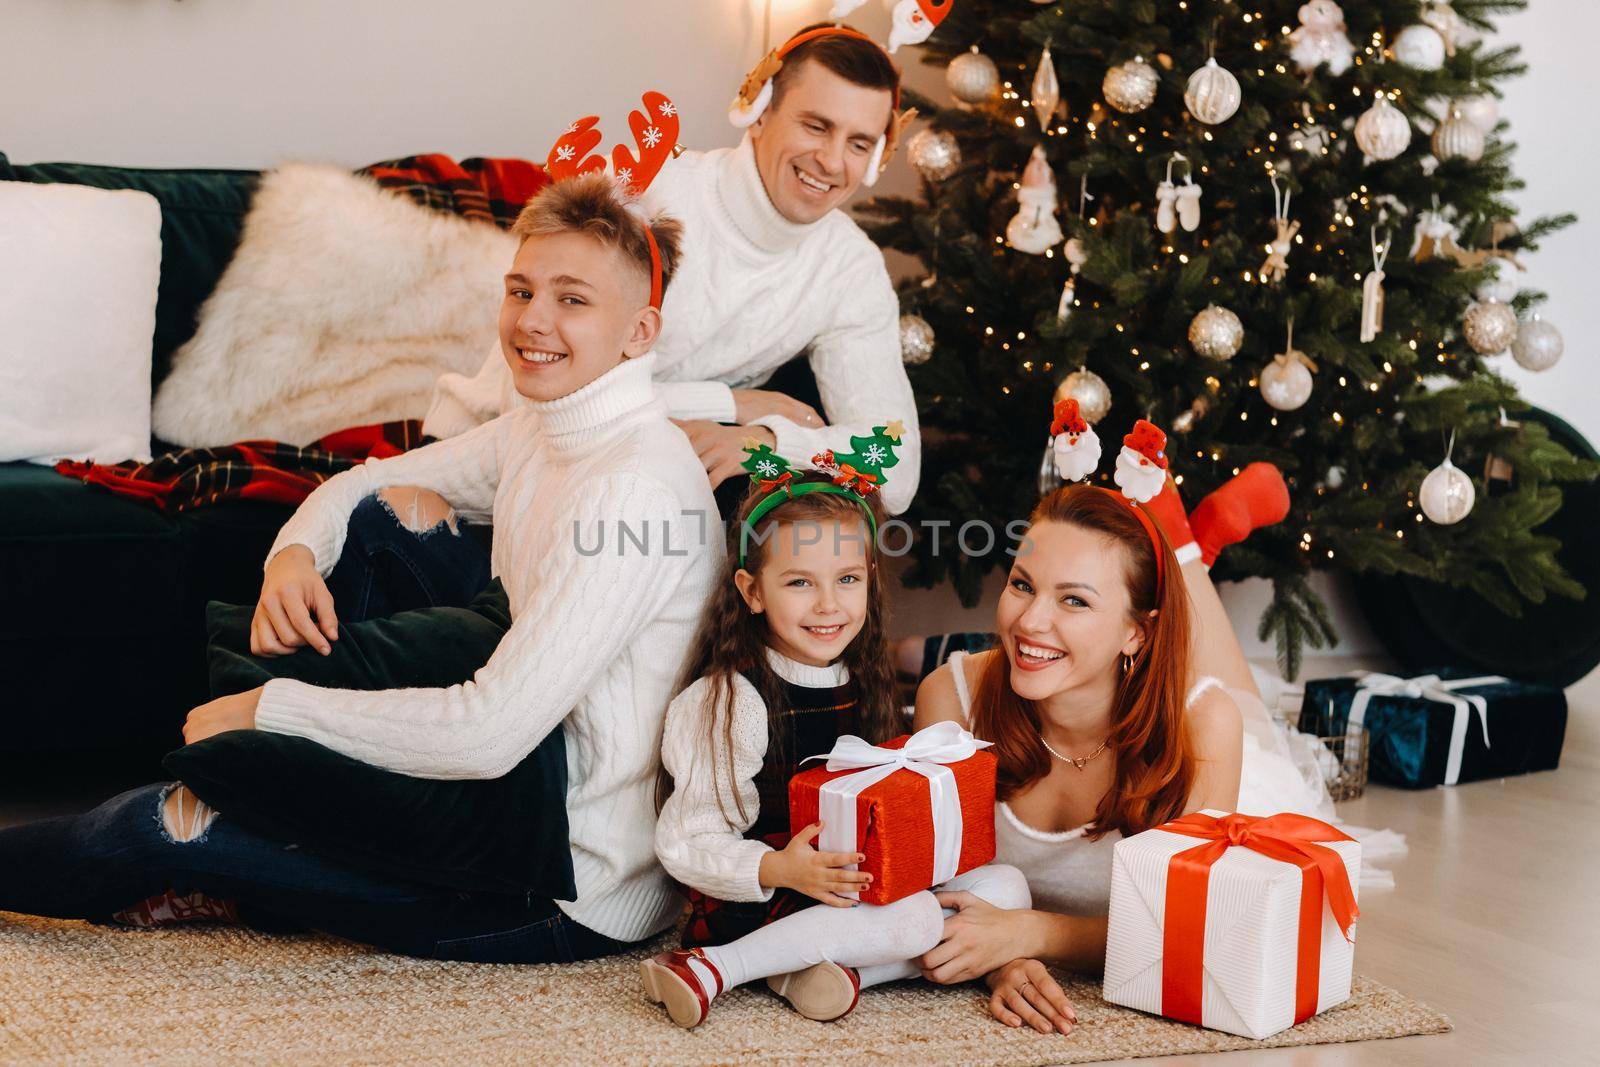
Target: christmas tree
<point x="1341" y="174"/>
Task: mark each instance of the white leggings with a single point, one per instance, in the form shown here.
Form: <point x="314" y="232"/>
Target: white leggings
<point x="883" y="942"/>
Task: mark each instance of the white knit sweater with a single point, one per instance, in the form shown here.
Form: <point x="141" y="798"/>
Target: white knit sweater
<point x="754" y="290"/>
<point x="595" y="641"/>
<point x="699" y="840"/>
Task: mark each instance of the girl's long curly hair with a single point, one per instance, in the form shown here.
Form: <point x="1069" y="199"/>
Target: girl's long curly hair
<point x="732" y="640"/>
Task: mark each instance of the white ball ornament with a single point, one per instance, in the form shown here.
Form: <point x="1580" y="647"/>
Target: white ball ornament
<point x="1447" y="494"/>
<point x="972" y="77"/>
<point x="1481" y="109"/>
<point x="934" y="154"/>
<point x="1383" y="131"/>
<point x="1501" y="284"/>
<point x="1420" y="47"/>
<point x="1489" y="327"/>
<point x="916" y="340"/>
<point x="1089" y="390"/>
<point x="1131" y="87"/>
<point x="1456" y="138"/>
<point x="1286" y="382"/>
<point x="1216" y="333"/>
<point x="1213" y="94"/>
<point x="1538" y="345"/>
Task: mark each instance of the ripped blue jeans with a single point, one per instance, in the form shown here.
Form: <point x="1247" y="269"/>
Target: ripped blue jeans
<point x="92" y="865"/>
<point x="387" y="567"/>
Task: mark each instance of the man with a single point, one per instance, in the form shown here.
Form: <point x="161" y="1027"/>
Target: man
<point x="771" y="268"/>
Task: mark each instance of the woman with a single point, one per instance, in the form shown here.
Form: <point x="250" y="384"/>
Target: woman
<point x="1098" y="734"/>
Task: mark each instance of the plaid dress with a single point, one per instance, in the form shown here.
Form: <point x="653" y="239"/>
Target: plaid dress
<point x="814" y="720"/>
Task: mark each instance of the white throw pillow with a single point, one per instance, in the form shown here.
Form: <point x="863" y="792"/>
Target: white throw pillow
<point x="342" y="306"/>
<point x="79" y="268"/>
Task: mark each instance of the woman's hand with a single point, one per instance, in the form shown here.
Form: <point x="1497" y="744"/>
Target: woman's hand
<point x="977" y="939"/>
<point x="291" y="592"/>
<point x="1024" y="992"/>
<point x="721" y="448"/>
<point x="819" y="875"/>
<point x="752" y="404"/>
<point x="236" y="712"/>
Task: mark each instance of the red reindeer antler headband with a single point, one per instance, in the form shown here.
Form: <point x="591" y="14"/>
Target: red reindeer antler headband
<point x="655" y="130"/>
<point x="755" y="94"/>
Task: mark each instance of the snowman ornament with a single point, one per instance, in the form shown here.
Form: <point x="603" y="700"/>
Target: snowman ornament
<point x="1034" y="227"/>
<point x="1321" y="39"/>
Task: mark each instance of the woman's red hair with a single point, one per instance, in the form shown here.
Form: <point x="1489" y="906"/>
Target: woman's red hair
<point x="1149" y="735"/>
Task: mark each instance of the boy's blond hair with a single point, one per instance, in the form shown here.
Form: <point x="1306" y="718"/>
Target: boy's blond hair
<point x="592" y="204"/>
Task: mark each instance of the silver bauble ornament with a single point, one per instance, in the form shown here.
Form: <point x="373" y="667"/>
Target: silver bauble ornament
<point x="1089" y="390"/>
<point x="1131" y="86"/>
<point x="1489" y="327"/>
<point x="1481" y="109"/>
<point x="934" y="154"/>
<point x="1049" y="478"/>
<point x="1447" y="494"/>
<point x="1538" y="345"/>
<point x="1286" y="382"/>
<point x="1383" y="131"/>
<point x="972" y="77"/>
<point x="916" y="340"/>
<point x="1045" y="94"/>
<point x="1501" y="284"/>
<point x="1213" y="94"/>
<point x="1216" y="333"/>
<point x="1456" y="138"/>
<point x="1420" y="47"/>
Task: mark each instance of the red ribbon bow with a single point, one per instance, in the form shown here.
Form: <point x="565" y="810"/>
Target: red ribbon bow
<point x="780" y="482"/>
<point x="855" y="480"/>
<point x="1289" y="838"/>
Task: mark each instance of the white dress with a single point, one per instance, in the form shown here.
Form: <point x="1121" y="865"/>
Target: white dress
<point x="1071" y="875"/>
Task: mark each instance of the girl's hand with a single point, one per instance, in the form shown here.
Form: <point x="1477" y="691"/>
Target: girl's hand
<point x="977" y="939"/>
<point x="236" y="712"/>
<point x="1024" y="992"/>
<point x="295" y="609"/>
<point x="819" y="875"/>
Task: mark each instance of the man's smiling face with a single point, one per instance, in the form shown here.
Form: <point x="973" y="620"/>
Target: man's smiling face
<point x="815" y="141"/>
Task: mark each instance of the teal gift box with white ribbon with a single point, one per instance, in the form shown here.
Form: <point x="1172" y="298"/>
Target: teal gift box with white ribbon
<point x="1442" y="728"/>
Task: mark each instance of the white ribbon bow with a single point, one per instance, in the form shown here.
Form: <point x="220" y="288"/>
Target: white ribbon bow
<point x="926" y="752"/>
<point x="1428" y="687"/>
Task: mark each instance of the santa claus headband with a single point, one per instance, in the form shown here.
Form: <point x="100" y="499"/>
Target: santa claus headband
<point x="855" y="476"/>
<point x="1141" y="468"/>
<point x="755" y="94"/>
<point x="656" y="132"/>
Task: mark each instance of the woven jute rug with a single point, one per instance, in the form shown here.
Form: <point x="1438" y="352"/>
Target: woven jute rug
<point x="87" y="994"/>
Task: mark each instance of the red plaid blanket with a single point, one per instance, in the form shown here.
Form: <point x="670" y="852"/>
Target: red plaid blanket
<point x="487" y="190"/>
<point x="250" y="470"/>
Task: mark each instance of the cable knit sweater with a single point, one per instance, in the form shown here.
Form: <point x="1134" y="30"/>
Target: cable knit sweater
<point x="596" y="636"/>
<point x="694" y="838"/>
<point x="752" y="291"/>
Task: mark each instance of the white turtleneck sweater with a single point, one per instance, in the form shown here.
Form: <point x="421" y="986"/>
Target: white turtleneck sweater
<point x="701" y="843"/>
<point x="596" y="638"/>
<point x="752" y="291"/>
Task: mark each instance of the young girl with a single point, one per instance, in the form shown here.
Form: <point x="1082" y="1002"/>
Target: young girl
<point x="790" y="656"/>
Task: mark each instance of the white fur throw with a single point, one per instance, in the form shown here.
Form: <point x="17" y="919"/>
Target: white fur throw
<point x="342" y="306"/>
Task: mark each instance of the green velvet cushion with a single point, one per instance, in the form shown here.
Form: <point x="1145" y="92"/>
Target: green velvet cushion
<point x="202" y="217"/>
<point x="506" y="834"/>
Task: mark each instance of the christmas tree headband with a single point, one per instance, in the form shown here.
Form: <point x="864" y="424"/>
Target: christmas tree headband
<point x="1141" y="469"/>
<point x="854" y="476"/>
<point x="914" y="21"/>
<point x="655" y="130"/>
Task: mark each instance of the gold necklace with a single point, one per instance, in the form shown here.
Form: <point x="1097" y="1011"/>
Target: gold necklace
<point x="1079" y="762"/>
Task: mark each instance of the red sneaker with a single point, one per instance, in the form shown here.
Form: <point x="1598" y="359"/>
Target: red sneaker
<point x="824" y="991"/>
<point x="671" y="982"/>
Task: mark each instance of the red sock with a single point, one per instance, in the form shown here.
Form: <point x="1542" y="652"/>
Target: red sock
<point x="1253" y="498"/>
<point x="1167" y="510"/>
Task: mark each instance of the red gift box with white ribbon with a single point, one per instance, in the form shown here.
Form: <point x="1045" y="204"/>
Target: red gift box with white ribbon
<point x="920" y="807"/>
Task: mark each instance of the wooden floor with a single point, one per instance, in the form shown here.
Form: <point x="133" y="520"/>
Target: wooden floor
<point x="1492" y="921"/>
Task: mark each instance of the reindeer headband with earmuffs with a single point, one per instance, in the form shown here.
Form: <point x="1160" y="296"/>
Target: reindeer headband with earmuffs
<point x="914" y="22"/>
<point x="656" y="132"/>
